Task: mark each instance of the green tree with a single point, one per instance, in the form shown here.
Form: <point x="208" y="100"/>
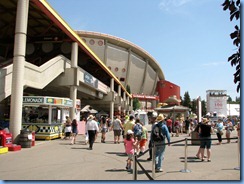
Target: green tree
<point x="136" y="104"/>
<point x="204" y="108"/>
<point x="128" y="88"/>
<point x="187" y="100"/>
<point x="194" y="106"/>
<point x="235" y="59"/>
<point x="229" y="99"/>
<point x="238" y="100"/>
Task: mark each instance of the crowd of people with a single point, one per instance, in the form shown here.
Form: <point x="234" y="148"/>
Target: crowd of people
<point x="130" y="131"/>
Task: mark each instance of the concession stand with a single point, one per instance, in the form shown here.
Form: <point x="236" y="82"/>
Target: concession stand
<point x="45" y="115"/>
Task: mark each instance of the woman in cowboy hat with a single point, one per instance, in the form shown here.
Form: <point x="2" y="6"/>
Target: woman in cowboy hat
<point x="92" y="129"/>
<point x="205" y="131"/>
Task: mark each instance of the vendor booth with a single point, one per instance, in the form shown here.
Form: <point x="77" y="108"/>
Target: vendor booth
<point x="45" y="115"/>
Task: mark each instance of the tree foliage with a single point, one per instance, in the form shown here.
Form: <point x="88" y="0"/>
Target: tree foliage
<point x="235" y="59"/>
<point x="186" y="100"/>
<point x="204" y="108"/>
<point x="136" y="104"/>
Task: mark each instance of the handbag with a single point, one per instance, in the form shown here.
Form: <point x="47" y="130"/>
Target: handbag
<point x="221" y="132"/>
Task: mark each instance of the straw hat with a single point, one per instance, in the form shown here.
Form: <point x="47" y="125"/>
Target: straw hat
<point x="90" y="117"/>
<point x="160" y="117"/>
<point x="205" y="120"/>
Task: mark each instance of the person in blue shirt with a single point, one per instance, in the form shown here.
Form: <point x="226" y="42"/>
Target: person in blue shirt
<point x="160" y="145"/>
<point x="219" y="127"/>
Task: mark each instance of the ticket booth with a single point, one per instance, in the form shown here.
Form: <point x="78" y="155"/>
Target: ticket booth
<point x="45" y="115"/>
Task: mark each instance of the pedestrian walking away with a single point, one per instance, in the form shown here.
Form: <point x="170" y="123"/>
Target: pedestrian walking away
<point x="104" y="128"/>
<point x="158" y="135"/>
<point x="153" y="121"/>
<point x="74" y="127"/>
<point x="117" y="128"/>
<point x="68" y="128"/>
<point x="129" y="148"/>
<point x="92" y="129"/>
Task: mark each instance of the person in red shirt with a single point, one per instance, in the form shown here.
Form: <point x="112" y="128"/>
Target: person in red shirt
<point x="169" y="124"/>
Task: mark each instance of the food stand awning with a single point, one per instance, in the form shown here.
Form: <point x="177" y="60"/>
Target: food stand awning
<point x="46" y="100"/>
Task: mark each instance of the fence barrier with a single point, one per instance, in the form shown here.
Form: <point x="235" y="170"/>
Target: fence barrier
<point x="185" y="170"/>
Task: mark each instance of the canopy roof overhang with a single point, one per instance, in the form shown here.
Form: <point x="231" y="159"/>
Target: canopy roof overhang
<point x="174" y="108"/>
<point x="46" y="26"/>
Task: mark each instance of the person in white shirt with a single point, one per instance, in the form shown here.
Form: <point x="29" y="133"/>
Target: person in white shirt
<point x="117" y="128"/>
<point x="92" y="129"/>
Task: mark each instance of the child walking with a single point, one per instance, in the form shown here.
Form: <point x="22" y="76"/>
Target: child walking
<point x="129" y="148"/>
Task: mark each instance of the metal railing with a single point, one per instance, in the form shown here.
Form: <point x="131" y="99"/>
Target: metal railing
<point x="185" y="170"/>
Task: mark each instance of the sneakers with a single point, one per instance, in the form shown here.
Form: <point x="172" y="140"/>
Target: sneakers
<point x="159" y="170"/>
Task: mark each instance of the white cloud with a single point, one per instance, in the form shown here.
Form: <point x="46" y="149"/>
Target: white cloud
<point x="214" y="64"/>
<point x="172" y="6"/>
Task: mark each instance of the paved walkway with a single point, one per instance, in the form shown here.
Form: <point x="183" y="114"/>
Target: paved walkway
<point x="58" y="160"/>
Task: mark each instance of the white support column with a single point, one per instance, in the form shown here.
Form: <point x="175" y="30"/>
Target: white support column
<point x="124" y="102"/>
<point x="119" y="96"/>
<point x="18" y="68"/>
<point x="119" y="91"/>
<point x="74" y="55"/>
<point x="131" y="103"/>
<point x="112" y="100"/>
<point x="128" y="103"/>
<point x="199" y="109"/>
<point x="73" y="89"/>
<point x="50" y="114"/>
<point x="73" y="96"/>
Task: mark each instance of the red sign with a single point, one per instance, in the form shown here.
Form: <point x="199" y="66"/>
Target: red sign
<point x="145" y="97"/>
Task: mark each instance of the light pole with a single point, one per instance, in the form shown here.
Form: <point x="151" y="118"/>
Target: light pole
<point x="228" y="102"/>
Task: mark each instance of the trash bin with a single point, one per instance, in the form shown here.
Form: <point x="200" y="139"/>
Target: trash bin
<point x="6" y="138"/>
<point x="195" y="135"/>
<point x="25" y="139"/>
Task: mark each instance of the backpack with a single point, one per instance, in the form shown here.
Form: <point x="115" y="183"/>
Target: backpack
<point x="137" y="130"/>
<point x="157" y="135"/>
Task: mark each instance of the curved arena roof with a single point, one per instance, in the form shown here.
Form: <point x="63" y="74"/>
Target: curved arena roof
<point x="131" y="64"/>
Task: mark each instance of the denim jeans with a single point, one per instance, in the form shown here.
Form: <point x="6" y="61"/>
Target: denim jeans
<point x="159" y="156"/>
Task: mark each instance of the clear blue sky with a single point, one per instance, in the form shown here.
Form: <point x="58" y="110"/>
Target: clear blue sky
<point x="188" y="38"/>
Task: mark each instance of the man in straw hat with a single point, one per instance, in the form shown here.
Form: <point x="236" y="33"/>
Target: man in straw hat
<point x="161" y="129"/>
<point x="205" y="131"/>
<point x="92" y="129"/>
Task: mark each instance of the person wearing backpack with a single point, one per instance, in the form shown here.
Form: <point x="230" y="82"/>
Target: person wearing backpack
<point x="137" y="130"/>
<point x="159" y="132"/>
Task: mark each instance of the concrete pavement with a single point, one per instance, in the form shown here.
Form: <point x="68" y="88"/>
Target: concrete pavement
<point x="58" y="160"/>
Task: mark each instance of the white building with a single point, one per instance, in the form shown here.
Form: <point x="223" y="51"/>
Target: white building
<point x="233" y="109"/>
<point x="217" y="104"/>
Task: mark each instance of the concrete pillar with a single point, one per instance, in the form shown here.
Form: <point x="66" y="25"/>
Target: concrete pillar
<point x="112" y="100"/>
<point x="73" y="96"/>
<point x="18" y="68"/>
<point x="73" y="89"/>
<point x="119" y="96"/>
<point x="131" y="103"/>
<point x="74" y="55"/>
<point x="199" y="109"/>
<point x="124" y="102"/>
<point x="50" y="114"/>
